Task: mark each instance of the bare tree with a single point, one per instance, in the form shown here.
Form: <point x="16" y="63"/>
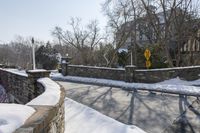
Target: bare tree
<point x="169" y="23"/>
<point x="122" y="16"/>
<point x="17" y="53"/>
<point x="172" y="22"/>
<point x="83" y="39"/>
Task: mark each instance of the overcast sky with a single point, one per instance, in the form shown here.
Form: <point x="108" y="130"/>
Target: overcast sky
<point x="38" y="17"/>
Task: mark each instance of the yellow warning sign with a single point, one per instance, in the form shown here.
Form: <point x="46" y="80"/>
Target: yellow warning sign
<point x="148" y="64"/>
<point x="147" y="54"/>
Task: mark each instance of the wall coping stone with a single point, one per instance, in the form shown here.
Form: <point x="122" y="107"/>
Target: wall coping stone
<point x="38" y="73"/>
<point x="95" y="67"/>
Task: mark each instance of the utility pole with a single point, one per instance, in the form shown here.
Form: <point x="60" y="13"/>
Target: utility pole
<point x="131" y="56"/>
<point x="135" y="37"/>
<point x="33" y="53"/>
<point x="134" y="32"/>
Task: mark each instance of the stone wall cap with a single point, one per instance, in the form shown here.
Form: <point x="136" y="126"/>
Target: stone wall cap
<point x="38" y="71"/>
<point x="130" y="66"/>
<point x="96" y="67"/>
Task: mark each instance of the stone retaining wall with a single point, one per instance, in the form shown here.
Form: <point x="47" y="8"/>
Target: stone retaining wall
<point x="96" y="72"/>
<point x="158" y="75"/>
<point x="131" y="73"/>
<point x="17" y="87"/>
<point x="22" y="88"/>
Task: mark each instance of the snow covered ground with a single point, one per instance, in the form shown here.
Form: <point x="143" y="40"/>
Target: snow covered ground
<point x="174" y="86"/>
<point x="82" y="119"/>
<point x="12" y="116"/>
<point x="178" y="81"/>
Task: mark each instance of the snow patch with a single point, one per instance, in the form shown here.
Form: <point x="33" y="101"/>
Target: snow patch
<point x="64" y="61"/>
<point x="95" y="67"/>
<point x="167" y="88"/>
<point x="12" y="116"/>
<point x="16" y="71"/>
<point x="178" y="81"/>
<point x="37" y="70"/>
<point x="120" y="50"/>
<point x="50" y="96"/>
<point x="82" y="119"/>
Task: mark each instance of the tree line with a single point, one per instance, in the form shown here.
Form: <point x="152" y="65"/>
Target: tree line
<point x="166" y="24"/>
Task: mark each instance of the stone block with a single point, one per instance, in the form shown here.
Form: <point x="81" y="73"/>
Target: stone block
<point x="130" y="73"/>
<point x="64" y="70"/>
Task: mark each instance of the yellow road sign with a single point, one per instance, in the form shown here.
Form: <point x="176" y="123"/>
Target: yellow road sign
<point x="148" y="64"/>
<point x="147" y="54"/>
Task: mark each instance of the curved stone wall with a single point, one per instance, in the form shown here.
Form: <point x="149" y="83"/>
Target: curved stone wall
<point x="24" y="87"/>
<point x="47" y="119"/>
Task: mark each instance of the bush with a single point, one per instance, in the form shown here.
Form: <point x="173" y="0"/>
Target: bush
<point x="46" y="57"/>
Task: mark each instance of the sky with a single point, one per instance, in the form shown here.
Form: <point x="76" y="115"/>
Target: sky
<point x="37" y="18"/>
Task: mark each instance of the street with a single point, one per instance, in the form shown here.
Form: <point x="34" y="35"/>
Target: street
<point x="152" y="112"/>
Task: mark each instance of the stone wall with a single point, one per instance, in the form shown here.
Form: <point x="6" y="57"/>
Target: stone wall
<point x="158" y="75"/>
<point x="17" y="87"/>
<point x="96" y="72"/>
<point x="22" y="88"/>
<point x="131" y="73"/>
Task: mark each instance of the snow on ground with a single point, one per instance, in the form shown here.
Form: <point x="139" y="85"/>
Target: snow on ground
<point x="82" y="119"/>
<point x="51" y="95"/>
<point x="167" y="88"/>
<point x="12" y="116"/>
<point x="178" y="81"/>
<point x="3" y="95"/>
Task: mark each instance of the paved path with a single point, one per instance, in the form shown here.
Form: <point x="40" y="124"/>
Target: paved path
<point x="154" y="113"/>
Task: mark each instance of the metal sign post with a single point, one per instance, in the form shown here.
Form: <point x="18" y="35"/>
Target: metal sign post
<point x="33" y="52"/>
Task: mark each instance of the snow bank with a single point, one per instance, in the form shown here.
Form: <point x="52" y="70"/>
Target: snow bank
<point x="82" y="119"/>
<point x="178" y="81"/>
<point x="16" y="71"/>
<point x="12" y="116"/>
<point x="120" y="50"/>
<point x="37" y="70"/>
<point x="96" y="67"/>
<point x="51" y="95"/>
<point x="167" y="88"/>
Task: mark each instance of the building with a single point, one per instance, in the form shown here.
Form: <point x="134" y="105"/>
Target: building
<point x="142" y="32"/>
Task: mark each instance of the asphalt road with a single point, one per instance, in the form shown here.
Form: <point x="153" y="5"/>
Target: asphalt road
<point x="152" y="112"/>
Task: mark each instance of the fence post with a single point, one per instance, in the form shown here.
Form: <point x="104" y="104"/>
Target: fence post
<point x="64" y="65"/>
<point x="33" y="76"/>
<point x="130" y="73"/>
